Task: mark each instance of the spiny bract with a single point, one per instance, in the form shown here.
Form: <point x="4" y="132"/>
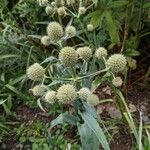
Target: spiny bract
<point x="54" y="31"/>
<point x="116" y="63"/>
<point x="66" y="93"/>
<point x="85" y="53"/>
<point x="45" y="40"/>
<point x="68" y="56"/>
<point x="117" y="81"/>
<point x="101" y="52"/>
<point x="70" y="31"/>
<point x="38" y="90"/>
<point x="35" y="72"/>
<point x="93" y="99"/>
<point x="84" y="93"/>
<point x="50" y="97"/>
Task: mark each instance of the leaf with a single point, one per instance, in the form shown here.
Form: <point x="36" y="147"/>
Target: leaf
<point x="51" y="59"/>
<point x="146" y="5"/>
<point x="132" y="52"/>
<point x="8" y="56"/>
<point x="2" y="101"/>
<point x="118" y="4"/>
<point x="40" y="105"/>
<point x="94" y="126"/>
<point x="112" y="27"/>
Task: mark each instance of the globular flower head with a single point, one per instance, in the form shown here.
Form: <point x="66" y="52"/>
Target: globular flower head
<point x="42" y="2"/>
<point x="68" y="56"/>
<point x="90" y="27"/>
<point x="84" y="93"/>
<point x="117" y="81"/>
<point x="66" y="93"/>
<point x="70" y="2"/>
<point x="50" y="97"/>
<point x="85" y="53"/>
<point x="82" y="10"/>
<point x="38" y="90"/>
<point x="61" y="11"/>
<point x="116" y="63"/>
<point x="54" y="31"/>
<point x="93" y="99"/>
<point x="53" y="4"/>
<point x="60" y="2"/>
<point x="35" y="72"/>
<point x="70" y="31"/>
<point x="49" y="10"/>
<point x="45" y="40"/>
<point x="101" y="52"/>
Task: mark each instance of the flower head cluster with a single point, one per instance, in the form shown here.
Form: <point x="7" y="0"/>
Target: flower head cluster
<point x="35" y="72"/>
<point x="116" y="63"/>
<point x="68" y="56"/>
<point x="54" y="31"/>
<point x="101" y="52"/>
<point x="66" y="93"/>
<point x="85" y="53"/>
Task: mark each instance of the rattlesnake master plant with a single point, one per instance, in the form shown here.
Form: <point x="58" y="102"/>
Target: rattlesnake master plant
<point x="70" y="75"/>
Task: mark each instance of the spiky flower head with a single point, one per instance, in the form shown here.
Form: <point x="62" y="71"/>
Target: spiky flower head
<point x="38" y="90"/>
<point x="70" y="2"/>
<point x="82" y="10"/>
<point x="54" y="31"/>
<point x="45" y="40"/>
<point x="68" y="56"/>
<point x="53" y="4"/>
<point x="42" y="2"/>
<point x="85" y="53"/>
<point x="60" y="2"/>
<point x="101" y="52"/>
<point x="116" y="63"/>
<point x="117" y="81"/>
<point x="90" y="27"/>
<point x="49" y="10"/>
<point x="61" y="11"/>
<point x="66" y="93"/>
<point x="93" y="99"/>
<point x="70" y="31"/>
<point x="35" y="72"/>
<point x="50" y="97"/>
<point x="84" y="93"/>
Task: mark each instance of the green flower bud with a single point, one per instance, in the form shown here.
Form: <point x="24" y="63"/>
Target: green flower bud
<point x="45" y="40"/>
<point x="61" y="11"/>
<point x="82" y="10"/>
<point x="84" y="93"/>
<point x="93" y="99"/>
<point x="68" y="56"/>
<point x="66" y="93"/>
<point x="70" y="31"/>
<point x="90" y="27"/>
<point x="116" y="63"/>
<point x="70" y="2"/>
<point x="117" y="82"/>
<point x="50" y="97"/>
<point x="49" y="10"/>
<point x="54" y="31"/>
<point x="85" y="53"/>
<point x="38" y="90"/>
<point x="101" y="52"/>
<point x="35" y="72"/>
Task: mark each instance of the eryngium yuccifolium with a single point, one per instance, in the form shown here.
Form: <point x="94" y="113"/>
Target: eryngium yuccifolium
<point x="35" y="72"/>
<point x="70" y="2"/>
<point x="49" y="10"/>
<point x="60" y="2"/>
<point x="70" y="31"/>
<point x="84" y="93"/>
<point x="53" y="4"/>
<point x="93" y="99"/>
<point x="68" y="56"/>
<point x="66" y="93"/>
<point x="61" y="11"/>
<point x="100" y="52"/>
<point x="42" y="2"/>
<point x="45" y="40"/>
<point x="117" y="82"/>
<point x="50" y="97"/>
<point x="38" y="90"/>
<point x="85" y="53"/>
<point x="90" y="27"/>
<point x="54" y="31"/>
<point x="116" y="63"/>
<point x="82" y="10"/>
